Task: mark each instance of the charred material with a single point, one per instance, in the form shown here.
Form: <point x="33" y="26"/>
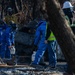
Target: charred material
<point x="24" y="41"/>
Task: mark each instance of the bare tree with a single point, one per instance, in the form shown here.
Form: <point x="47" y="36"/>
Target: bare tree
<point x="16" y="5"/>
<point x="2" y="4"/>
<point x="62" y="31"/>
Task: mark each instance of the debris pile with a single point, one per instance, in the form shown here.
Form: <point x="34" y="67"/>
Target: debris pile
<point x="28" y="70"/>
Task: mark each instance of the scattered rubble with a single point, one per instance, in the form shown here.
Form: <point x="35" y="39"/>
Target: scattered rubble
<point x="27" y="70"/>
<point x="17" y="71"/>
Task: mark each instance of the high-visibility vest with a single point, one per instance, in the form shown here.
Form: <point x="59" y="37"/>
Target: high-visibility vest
<point x="51" y="37"/>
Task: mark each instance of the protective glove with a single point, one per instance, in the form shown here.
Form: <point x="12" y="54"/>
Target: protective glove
<point x="12" y="50"/>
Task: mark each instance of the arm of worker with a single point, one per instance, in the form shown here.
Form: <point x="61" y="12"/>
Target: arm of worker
<point x="37" y="36"/>
<point x="13" y="38"/>
<point x="8" y="40"/>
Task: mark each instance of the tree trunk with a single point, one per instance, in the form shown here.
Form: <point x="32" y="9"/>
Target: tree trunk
<point x="21" y="2"/>
<point x="2" y="9"/>
<point x="17" y="6"/>
<point x="34" y="8"/>
<point x="61" y="2"/>
<point x="62" y="31"/>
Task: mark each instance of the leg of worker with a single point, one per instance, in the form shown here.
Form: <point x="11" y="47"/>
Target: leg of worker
<point x="52" y="54"/>
<point x="7" y="53"/>
<point x="42" y="60"/>
<point x="39" y="53"/>
<point x="2" y="51"/>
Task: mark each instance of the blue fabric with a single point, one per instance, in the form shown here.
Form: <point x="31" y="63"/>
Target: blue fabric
<point x="5" y="43"/>
<point x="11" y="41"/>
<point x="7" y="52"/>
<point x="13" y="37"/>
<point x="40" y="38"/>
<point x="40" y="52"/>
<point x="1" y="33"/>
<point x="52" y="53"/>
<point x="8" y="35"/>
<point x="40" y="33"/>
<point x="2" y="51"/>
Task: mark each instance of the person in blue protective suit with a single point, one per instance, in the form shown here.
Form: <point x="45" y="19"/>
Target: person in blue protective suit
<point x="5" y="41"/>
<point x="41" y="38"/>
<point x="12" y="29"/>
<point x="50" y="40"/>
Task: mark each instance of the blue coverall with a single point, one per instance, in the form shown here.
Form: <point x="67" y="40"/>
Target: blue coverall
<point x="11" y="30"/>
<point x="1" y="39"/>
<point x="7" y="52"/>
<point x="5" y="42"/>
<point x="40" y="38"/>
<point x="12" y="40"/>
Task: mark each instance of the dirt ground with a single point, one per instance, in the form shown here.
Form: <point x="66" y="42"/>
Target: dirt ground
<point x="28" y="70"/>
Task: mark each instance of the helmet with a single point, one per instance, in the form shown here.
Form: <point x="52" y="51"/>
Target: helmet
<point x="67" y="4"/>
<point x="9" y="10"/>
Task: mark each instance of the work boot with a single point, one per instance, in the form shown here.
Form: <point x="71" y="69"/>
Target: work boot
<point x="10" y="61"/>
<point x="51" y="68"/>
<point x="43" y="64"/>
<point x="37" y="67"/>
